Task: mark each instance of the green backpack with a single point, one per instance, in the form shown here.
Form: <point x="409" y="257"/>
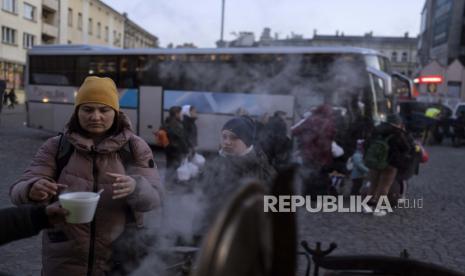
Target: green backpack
<point x="377" y="154"/>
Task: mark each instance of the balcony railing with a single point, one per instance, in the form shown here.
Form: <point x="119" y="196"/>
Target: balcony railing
<point x="50" y="4"/>
<point x="49" y="30"/>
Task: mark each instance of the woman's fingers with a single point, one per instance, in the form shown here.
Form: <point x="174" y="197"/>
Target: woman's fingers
<point x="117" y="176"/>
<point x="119" y="196"/>
<point x="42" y="195"/>
<point x="124" y="188"/>
<point x="120" y="193"/>
<point x="44" y="187"/>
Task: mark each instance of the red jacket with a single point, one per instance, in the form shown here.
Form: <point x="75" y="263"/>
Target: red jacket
<point x="315" y="135"/>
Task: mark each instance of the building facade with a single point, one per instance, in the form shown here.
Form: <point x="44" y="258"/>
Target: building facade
<point x="401" y="50"/>
<point x="442" y="32"/>
<point x="20" y="22"/>
<point x="136" y="37"/>
<point x="92" y="22"/>
<point x="441" y="51"/>
<point x="25" y="23"/>
<point x="448" y="86"/>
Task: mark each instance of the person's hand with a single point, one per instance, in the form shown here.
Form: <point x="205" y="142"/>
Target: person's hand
<point x="123" y="186"/>
<point x="55" y="213"/>
<point x="43" y="189"/>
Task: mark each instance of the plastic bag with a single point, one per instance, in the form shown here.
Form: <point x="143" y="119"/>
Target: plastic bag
<point x="193" y="169"/>
<point x="350" y="164"/>
<point x="198" y="160"/>
<point x="336" y="150"/>
<point x="187" y="170"/>
<point x="183" y="172"/>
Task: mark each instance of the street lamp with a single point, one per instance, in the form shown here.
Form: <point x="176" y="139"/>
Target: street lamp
<point x="222" y="23"/>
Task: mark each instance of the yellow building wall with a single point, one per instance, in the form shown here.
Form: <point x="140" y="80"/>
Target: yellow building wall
<point x="99" y="13"/>
<point x="17" y="53"/>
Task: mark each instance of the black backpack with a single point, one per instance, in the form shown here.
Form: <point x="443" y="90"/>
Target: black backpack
<point x="66" y="149"/>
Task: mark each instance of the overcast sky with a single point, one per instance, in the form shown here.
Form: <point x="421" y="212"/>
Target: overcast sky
<point x="199" y="21"/>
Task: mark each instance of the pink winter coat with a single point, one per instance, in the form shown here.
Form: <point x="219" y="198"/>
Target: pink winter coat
<point x="65" y="249"/>
<point x="315" y="136"/>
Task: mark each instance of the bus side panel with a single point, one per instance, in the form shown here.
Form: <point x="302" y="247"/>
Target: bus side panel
<point x="46" y="118"/>
<point x="209" y="126"/>
<point x="61" y="114"/>
<point x="132" y="115"/>
<point x="150" y="111"/>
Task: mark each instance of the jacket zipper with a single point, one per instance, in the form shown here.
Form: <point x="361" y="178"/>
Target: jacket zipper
<point x="91" y="257"/>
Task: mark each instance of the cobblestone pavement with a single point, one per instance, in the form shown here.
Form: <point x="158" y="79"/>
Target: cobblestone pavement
<point x="17" y="145"/>
<point x="433" y="233"/>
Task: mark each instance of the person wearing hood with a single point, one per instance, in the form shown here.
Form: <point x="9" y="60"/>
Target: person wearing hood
<point x="238" y="159"/>
<point x="189" y="116"/>
<point x="97" y="131"/>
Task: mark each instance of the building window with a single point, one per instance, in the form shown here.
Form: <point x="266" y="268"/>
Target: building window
<point x="29" y="12"/>
<point x="70" y="17"/>
<point x="394" y="56"/>
<point x="99" y="30"/>
<point x="79" y="22"/>
<point x="28" y="40"/>
<point x="404" y="57"/>
<point x="115" y="38"/>
<point x="107" y="34"/>
<point x="8" y="35"/>
<point x="9" y="5"/>
<point x="90" y="27"/>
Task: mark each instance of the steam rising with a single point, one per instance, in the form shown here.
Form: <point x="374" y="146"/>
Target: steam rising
<point x="313" y="80"/>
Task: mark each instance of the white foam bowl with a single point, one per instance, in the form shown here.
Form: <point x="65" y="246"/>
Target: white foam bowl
<point x="81" y="206"/>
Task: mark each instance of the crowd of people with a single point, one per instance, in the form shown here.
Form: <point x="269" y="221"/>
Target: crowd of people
<point x="98" y="133"/>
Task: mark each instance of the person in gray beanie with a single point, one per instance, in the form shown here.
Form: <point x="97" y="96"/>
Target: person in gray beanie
<point x="237" y="136"/>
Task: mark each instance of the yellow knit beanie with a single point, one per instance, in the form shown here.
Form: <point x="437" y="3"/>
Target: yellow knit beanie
<point x="98" y="90"/>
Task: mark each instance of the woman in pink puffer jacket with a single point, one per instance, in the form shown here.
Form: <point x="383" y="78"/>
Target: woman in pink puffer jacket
<point x="97" y="132"/>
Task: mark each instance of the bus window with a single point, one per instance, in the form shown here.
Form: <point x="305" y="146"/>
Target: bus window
<point x="402" y="86"/>
<point x="380" y="101"/>
<point x="378" y="62"/>
<point x="127" y="71"/>
<point x="104" y="66"/>
<point x="51" y="70"/>
<point x="228" y="103"/>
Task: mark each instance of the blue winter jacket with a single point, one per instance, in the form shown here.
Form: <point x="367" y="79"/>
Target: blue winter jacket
<point x="359" y="170"/>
